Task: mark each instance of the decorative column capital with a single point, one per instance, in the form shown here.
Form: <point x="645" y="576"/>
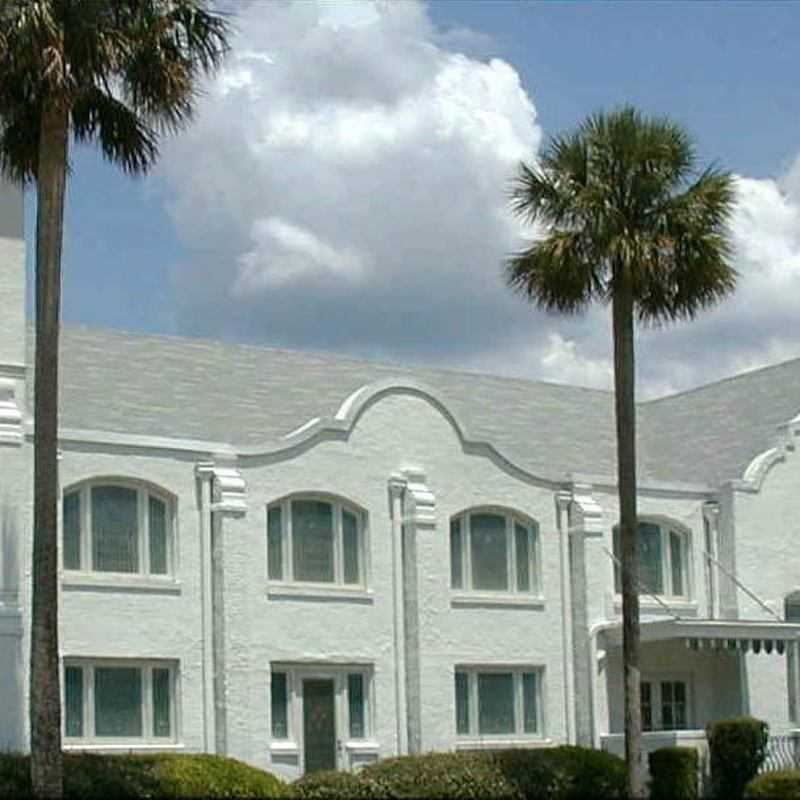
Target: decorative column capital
<point x="397" y="486"/>
<point x="420" y="501"/>
<point x="711" y="512"/>
<point x="10" y="414"/>
<point x="585" y="513"/>
<point x="228" y="487"/>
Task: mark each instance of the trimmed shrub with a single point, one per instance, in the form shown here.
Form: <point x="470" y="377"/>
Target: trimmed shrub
<point x="334" y="785"/>
<point x="737" y="748"/>
<point x="169" y="775"/>
<point x="558" y="773"/>
<point x="782" y="785"/>
<point x="673" y="773"/>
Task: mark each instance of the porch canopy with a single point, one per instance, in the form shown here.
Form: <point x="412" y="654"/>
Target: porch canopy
<point x="758" y="636"/>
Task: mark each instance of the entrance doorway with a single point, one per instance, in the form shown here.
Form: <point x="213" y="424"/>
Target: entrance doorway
<point x="319" y="724"/>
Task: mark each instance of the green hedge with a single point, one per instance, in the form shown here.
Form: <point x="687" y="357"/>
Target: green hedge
<point x="560" y="773"/>
<point x="157" y="775"/>
<point x="737" y="748"/>
<point x="673" y="773"/>
<point x="783" y="785"/>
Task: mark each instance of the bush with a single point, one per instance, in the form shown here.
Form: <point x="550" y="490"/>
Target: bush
<point x="738" y="748"/>
<point x="673" y="773"/>
<point x="783" y="785"/>
<point x="135" y="776"/>
<point x="559" y="773"/>
<point x="334" y="785"/>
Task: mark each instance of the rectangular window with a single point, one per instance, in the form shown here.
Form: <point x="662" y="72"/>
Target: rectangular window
<point x="315" y="541"/>
<point x="462" y="703"/>
<point x="676" y="559"/>
<point x="355" y="704"/>
<point x="157" y="511"/>
<point x="650" y="558"/>
<point x="129" y="702"/>
<point x="489" y="552"/>
<point x="663" y="560"/>
<point x="279" y="706"/>
<point x="73" y="702"/>
<point x="72" y="530"/>
<point x="115" y="529"/>
<point x="274" y="544"/>
<point x="523" y="558"/>
<point x="498" y="702"/>
<point x="665" y="705"/>
<point x="456" y="555"/>
<point x="350" y="547"/>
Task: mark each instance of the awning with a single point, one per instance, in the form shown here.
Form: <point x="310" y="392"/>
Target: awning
<point x="757" y="636"/>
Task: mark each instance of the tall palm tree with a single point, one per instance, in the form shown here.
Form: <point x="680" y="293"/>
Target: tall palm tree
<point x="626" y="219"/>
<point x="119" y="73"/>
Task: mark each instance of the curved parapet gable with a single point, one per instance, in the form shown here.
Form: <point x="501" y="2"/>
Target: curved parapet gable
<point x="758" y="469"/>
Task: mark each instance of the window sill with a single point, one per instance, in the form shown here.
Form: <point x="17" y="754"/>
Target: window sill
<point x="305" y="591"/>
<point x="119" y="582"/>
<point x="514" y="742"/>
<point x="128" y="747"/>
<point x="487" y="599"/>
<point x="362" y="746"/>
<point x="647" y="605"/>
<point x="284" y="748"/>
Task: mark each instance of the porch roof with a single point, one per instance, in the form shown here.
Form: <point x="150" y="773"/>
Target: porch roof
<point x="713" y="634"/>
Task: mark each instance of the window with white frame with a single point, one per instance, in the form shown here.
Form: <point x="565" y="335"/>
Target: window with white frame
<point x="494" y="551"/>
<point x="119" y="701"/>
<point x="498" y="701"/>
<point x="665" y="705"/>
<point x="316" y="540"/>
<point x="352" y="689"/>
<point x="663" y="559"/>
<point x="117" y="527"/>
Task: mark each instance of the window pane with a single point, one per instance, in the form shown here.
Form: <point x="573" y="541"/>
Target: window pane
<point x="617" y="537"/>
<point x="650" y="561"/>
<point x="495" y="703"/>
<point x="73" y="701"/>
<point x="530" y="702"/>
<point x="645" y="692"/>
<point x="161" y="703"/>
<point x="456" y="555"/>
<point x="274" y="544"/>
<point x="72" y="530"/>
<point x="279" y="706"/>
<point x="158" y="536"/>
<point x="350" y="547"/>
<point x="676" y="557"/>
<point x="118" y="701"/>
<point x="114" y="529"/>
<point x="355" y="704"/>
<point x="488" y="548"/>
<point x="462" y="703"/>
<point x="523" y="558"/>
<point x="312" y="541"/>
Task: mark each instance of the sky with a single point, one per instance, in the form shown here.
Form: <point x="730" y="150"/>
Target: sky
<point x="344" y="186"/>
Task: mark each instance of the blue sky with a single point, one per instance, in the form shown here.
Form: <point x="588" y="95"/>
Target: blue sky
<point x="211" y="243"/>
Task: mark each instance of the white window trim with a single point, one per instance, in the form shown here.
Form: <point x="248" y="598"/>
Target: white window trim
<point x="463" y="594"/>
<point x="655" y="680"/>
<point x="287" y="583"/>
<point x="665" y="526"/>
<point x="295" y="673"/>
<point x="143" y="492"/>
<point x="88" y="666"/>
<point x="474" y="737"/>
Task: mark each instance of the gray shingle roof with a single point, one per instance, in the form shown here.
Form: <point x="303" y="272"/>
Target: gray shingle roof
<point x="244" y="395"/>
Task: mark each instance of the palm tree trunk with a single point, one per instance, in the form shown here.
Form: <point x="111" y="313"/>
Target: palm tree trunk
<point x="624" y="376"/>
<point x="45" y="699"/>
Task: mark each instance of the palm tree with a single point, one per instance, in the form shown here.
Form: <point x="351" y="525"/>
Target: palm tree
<point x="118" y="73"/>
<point x="627" y="219"/>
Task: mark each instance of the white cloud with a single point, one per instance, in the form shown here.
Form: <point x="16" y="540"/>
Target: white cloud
<point x="344" y="187"/>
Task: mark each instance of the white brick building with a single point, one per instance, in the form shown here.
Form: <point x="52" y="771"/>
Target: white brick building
<point x="308" y="561"/>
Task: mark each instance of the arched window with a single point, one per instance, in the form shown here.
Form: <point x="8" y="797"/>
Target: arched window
<point x="663" y="559"/>
<point x="312" y="539"/>
<point x="118" y="526"/>
<point x="494" y="551"/>
<point x="791" y="611"/>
